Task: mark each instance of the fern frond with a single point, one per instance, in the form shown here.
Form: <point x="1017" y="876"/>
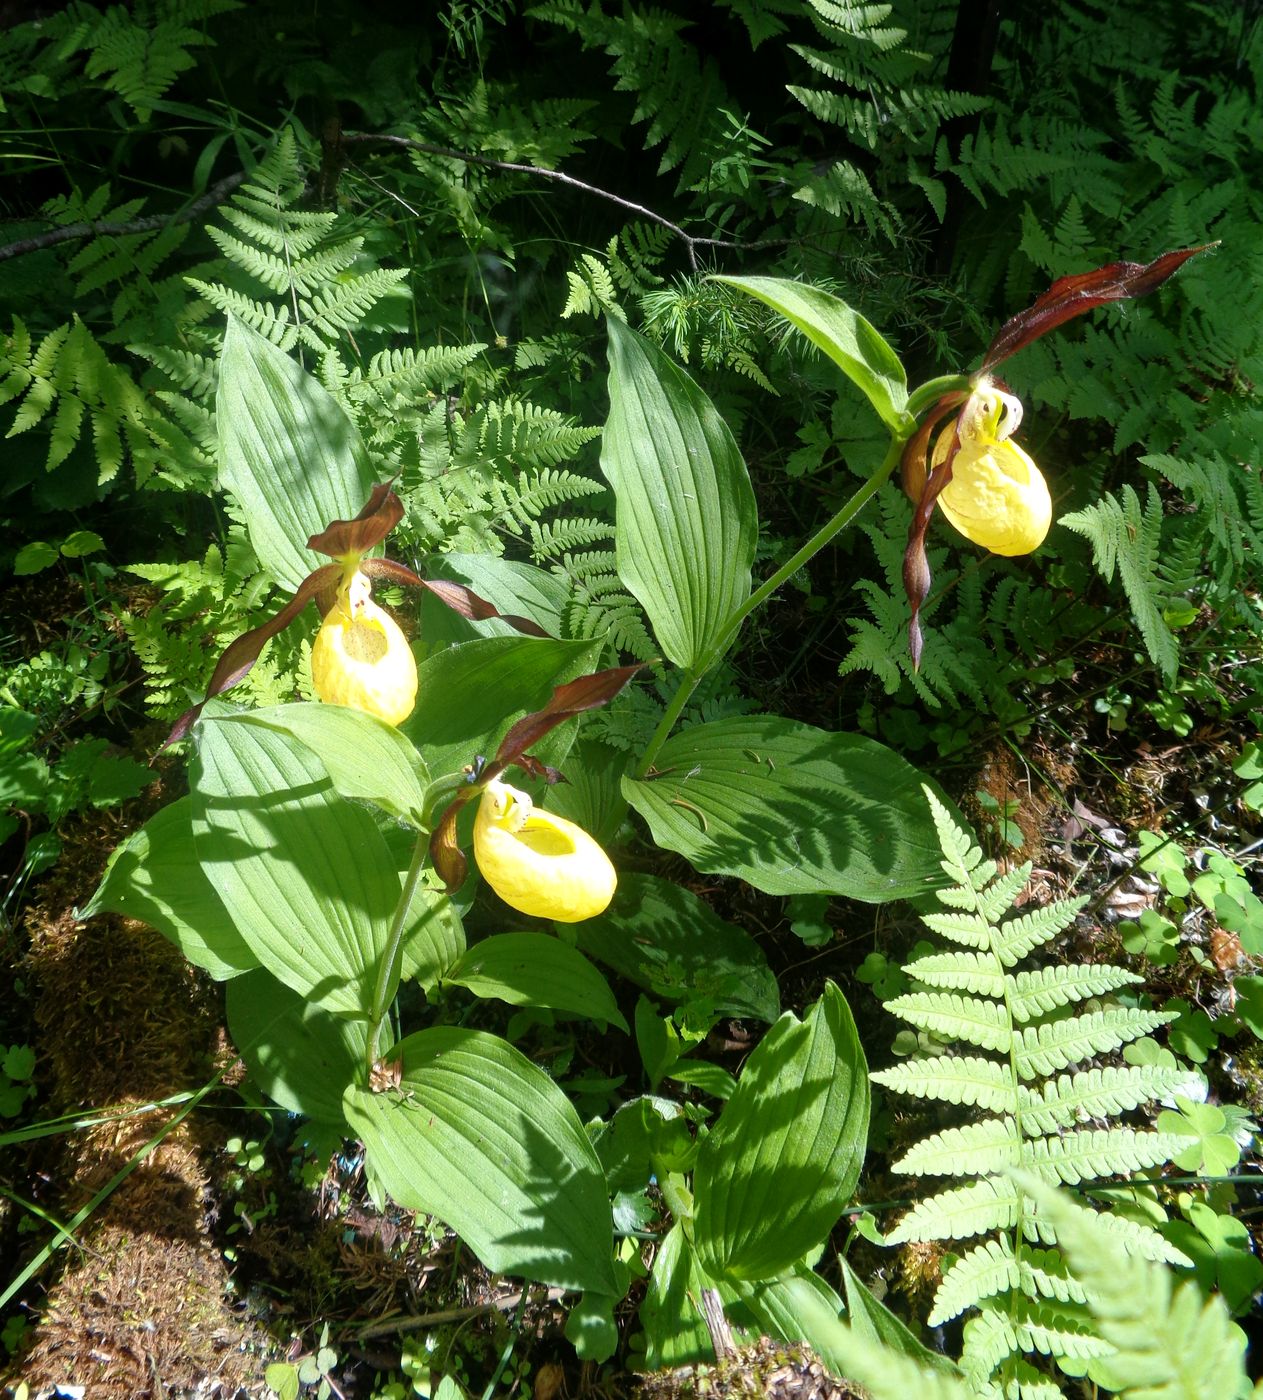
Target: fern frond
<point x="951" y="1017"/>
<point x="960" y="1213"/>
<point x="1026" y="1297"/>
<point x="1037" y="993"/>
<point x="1168" y="1343"/>
<point x="1102" y="1092"/>
<point x="1053" y="1045"/>
<point x="1128" y="538"/>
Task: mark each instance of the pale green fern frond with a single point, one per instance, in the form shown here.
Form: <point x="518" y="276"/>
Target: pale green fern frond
<point x="1021" y="1040"/>
<point x="1168" y="1342"/>
<point x="301" y="258"/>
<point x="137" y="51"/>
<point x="68" y="380"/>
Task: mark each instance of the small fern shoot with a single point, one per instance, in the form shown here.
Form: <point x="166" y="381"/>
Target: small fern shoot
<point x="1024" y="1043"/>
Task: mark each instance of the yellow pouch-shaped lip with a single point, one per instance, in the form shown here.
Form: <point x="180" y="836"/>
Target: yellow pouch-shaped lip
<point x="539" y="863"/>
<point x="997" y="496"/>
<point x="360" y="657"/>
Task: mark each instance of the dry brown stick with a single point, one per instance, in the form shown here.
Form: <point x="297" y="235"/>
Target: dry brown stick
<point x="213" y="196"/>
<point x="410" y="1323"/>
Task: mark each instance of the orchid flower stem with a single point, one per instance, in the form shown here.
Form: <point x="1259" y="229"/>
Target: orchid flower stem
<point x="925" y="395"/>
<point x="692" y="677"/>
<point x="392" y="955"/>
<point x="689" y="681"/>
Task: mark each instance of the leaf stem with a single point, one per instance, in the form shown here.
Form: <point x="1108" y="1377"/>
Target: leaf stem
<point x="689" y="681"/>
<point x="814" y="545"/>
<point x="392" y="955"/>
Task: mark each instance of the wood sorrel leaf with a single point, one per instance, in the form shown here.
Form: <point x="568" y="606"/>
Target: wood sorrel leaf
<point x="479" y="1136"/>
<point x="844" y="335"/>
<point x="154" y="876"/>
<point x="305" y="875"/>
<point x="686" y="520"/>
<point x="791" y="809"/>
<point x="291" y="457"/>
<point x="795" y="1130"/>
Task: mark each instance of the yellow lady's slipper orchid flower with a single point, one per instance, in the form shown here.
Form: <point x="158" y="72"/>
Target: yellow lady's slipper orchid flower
<point x="539" y="863"/>
<point x="360" y="657"/>
<point x="997" y="496"/>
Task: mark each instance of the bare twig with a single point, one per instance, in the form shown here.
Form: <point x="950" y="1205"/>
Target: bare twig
<point x="217" y="193"/>
<point x="691" y="241"/>
<point x="213" y="196"/>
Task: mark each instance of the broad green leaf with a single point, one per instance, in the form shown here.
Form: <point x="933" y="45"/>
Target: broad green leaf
<point x="645" y="1136"/>
<point x="670" y="1316"/>
<point x="666" y="940"/>
<point x="686" y="521"/>
<point x="434" y="940"/>
<point x="81" y="542"/>
<point x="534" y="969"/>
<point x="305" y="875"/>
<point x="795" y="1130"/>
<point x="289" y="455"/>
<point x="34" y="558"/>
<point x="469" y="695"/>
<point x="154" y="876"/>
<point x="521" y="590"/>
<point x="367" y="758"/>
<point x="845" y="336"/>
<point x="792" y="809"/>
<point x="592" y="795"/>
<point x="479" y="1136"/>
<point x="299" y="1055"/>
<point x="871" y="1318"/>
<point x="713" y="1079"/>
<point x="797" y="1307"/>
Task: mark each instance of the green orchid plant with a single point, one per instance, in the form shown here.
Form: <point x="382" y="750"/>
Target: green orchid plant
<point x="319" y="861"/>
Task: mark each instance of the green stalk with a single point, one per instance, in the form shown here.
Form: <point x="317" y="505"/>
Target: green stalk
<point x="814" y="545"/>
<point x="689" y="682"/>
<point x="926" y="394"/>
<point x="392" y="956"/>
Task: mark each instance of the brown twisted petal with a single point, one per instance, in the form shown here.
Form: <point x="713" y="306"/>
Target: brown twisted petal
<point x="241" y="653"/>
<point x="445" y="855"/>
<point x="916" y="566"/>
<point x="456" y="596"/>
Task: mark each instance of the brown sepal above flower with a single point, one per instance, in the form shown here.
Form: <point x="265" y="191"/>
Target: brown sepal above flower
<point x="341" y="539"/>
<point x="1082" y="291"/>
<point x="586" y="693"/>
